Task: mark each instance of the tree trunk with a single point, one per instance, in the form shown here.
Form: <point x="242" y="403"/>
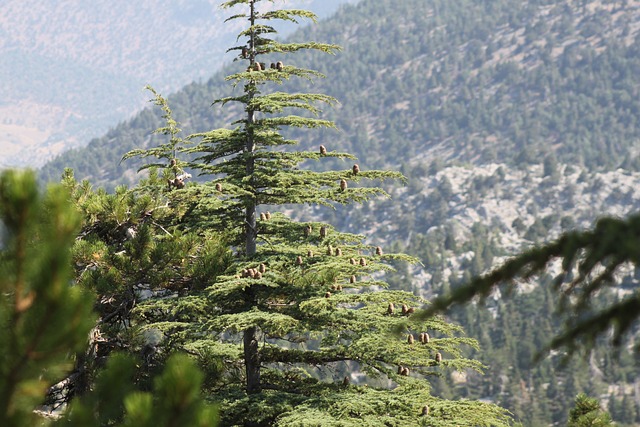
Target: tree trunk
<point x="251" y="354"/>
<point x="252" y="360"/>
<point x="250" y="147"/>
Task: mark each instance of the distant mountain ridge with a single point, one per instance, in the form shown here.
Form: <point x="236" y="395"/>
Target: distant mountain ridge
<point x="70" y="69"/>
<point x="460" y="80"/>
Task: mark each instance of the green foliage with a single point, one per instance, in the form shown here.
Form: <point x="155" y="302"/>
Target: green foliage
<point x="136" y="245"/>
<point x="299" y="323"/>
<point x="589" y="260"/>
<point x="587" y="412"/>
<point x="165" y="151"/>
<point x="175" y="399"/>
<point x="43" y="320"/>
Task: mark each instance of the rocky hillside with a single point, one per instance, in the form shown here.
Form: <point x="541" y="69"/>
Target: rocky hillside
<point x="72" y="69"/>
<point x="515" y="208"/>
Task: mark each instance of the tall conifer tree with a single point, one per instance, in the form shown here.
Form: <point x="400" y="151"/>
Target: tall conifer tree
<point x="301" y="322"/>
<point x="252" y="169"/>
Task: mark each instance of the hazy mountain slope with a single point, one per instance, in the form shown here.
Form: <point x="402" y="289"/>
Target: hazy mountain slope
<point x="485" y="81"/>
<point x="461" y="80"/>
<point x="70" y="69"/>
